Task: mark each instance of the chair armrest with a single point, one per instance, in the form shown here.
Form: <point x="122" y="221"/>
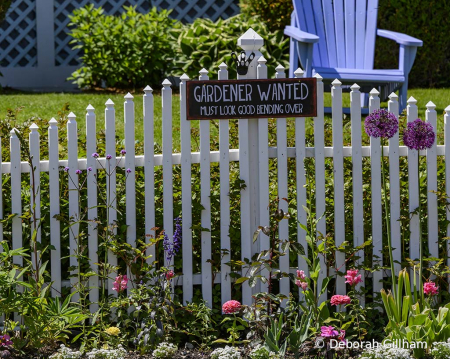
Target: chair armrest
<point x="300" y="35"/>
<point x="401" y="39"/>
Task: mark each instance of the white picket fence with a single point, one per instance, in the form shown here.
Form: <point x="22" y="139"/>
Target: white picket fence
<point x="253" y="156"/>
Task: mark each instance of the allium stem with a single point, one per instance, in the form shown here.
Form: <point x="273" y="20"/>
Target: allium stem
<point x="420" y="232"/>
<point x="387" y="217"/>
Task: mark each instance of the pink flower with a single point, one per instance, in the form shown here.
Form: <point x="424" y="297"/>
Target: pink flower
<point x="328" y="331"/>
<point x="301" y="284"/>
<point x="340" y="300"/>
<point x="429" y="288"/>
<point x="353" y="277"/>
<point x="169" y="275"/>
<point x="341" y="336"/>
<point x="120" y="283"/>
<point x="5" y="340"/>
<point x="301" y="274"/>
<point x="231" y="307"/>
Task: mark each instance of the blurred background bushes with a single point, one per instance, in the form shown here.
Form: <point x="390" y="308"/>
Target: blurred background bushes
<point x="132" y="50"/>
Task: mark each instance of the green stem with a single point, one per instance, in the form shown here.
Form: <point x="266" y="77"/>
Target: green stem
<point x="420" y="232"/>
<point x="388" y="226"/>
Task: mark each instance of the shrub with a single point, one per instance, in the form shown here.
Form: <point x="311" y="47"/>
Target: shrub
<point x="426" y="20"/>
<point x="205" y="44"/>
<point x="276" y="14"/>
<point x="4" y="6"/>
<point x="125" y="51"/>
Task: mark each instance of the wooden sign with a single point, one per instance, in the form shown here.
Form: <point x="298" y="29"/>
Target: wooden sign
<point x="230" y="99"/>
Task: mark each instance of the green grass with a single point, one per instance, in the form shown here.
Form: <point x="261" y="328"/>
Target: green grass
<point x="47" y="106"/>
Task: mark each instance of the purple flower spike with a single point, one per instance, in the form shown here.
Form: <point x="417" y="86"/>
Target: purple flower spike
<point x="108" y="157"/>
<point x="128" y="170"/>
<point x="419" y="135"/>
<point x="66" y="169"/>
<point x="89" y="169"/>
<point x="381" y="123"/>
<point x="173" y="248"/>
<point x="123" y="152"/>
<point x="78" y="172"/>
<point x="95" y="155"/>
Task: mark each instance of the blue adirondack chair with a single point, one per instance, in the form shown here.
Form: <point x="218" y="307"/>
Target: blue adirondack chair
<point x="336" y="39"/>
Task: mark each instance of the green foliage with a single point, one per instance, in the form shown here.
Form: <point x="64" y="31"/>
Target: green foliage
<point x="275" y="14"/>
<point x="206" y="44"/>
<point x="4" y="6"/>
<point x="299" y="333"/>
<point x="126" y="51"/>
<point x="273" y="337"/>
<point x="425" y="20"/>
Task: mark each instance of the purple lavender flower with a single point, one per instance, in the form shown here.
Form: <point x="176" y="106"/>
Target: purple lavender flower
<point x="128" y="170"/>
<point x="419" y="135"/>
<point x="66" y="169"/>
<point x="173" y="248"/>
<point x="89" y="169"/>
<point x="95" y="155"/>
<point x="123" y="152"/>
<point x="78" y="172"/>
<point x="108" y="157"/>
<point x="381" y="123"/>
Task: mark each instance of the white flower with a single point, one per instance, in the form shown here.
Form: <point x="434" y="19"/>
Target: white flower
<point x="165" y="350"/>
<point x="118" y="353"/>
<point x="386" y="352"/>
<point x="66" y="353"/>
<point x="441" y="350"/>
<point x="226" y="353"/>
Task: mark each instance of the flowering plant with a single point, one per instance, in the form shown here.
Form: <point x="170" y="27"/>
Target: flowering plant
<point x="238" y="324"/>
<point x="384" y="124"/>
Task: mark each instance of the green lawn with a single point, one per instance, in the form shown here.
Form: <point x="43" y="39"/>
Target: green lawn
<point x="47" y="106"/>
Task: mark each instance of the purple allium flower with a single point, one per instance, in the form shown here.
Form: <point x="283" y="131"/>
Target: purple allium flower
<point x="66" y="169"/>
<point x="89" y="169"/>
<point x="128" y="170"/>
<point x="381" y="123"/>
<point x="78" y="172"/>
<point x="419" y="135"/>
<point x="173" y="248"/>
<point x="108" y="157"/>
<point x="95" y="155"/>
<point x="123" y="152"/>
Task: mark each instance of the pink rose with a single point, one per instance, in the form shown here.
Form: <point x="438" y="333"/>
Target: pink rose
<point x="340" y="300"/>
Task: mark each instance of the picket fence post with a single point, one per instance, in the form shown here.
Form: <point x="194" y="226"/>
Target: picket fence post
<point x="377" y="214"/>
<point x="357" y="178"/>
<point x="91" y="182"/>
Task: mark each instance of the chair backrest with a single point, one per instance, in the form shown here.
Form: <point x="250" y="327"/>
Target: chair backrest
<point x="346" y="28"/>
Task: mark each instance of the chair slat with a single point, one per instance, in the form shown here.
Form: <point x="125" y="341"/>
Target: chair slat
<point x="339" y="31"/>
<point x="350" y="47"/>
<point x="330" y="34"/>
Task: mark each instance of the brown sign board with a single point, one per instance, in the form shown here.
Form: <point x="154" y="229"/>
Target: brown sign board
<point x="233" y="99"/>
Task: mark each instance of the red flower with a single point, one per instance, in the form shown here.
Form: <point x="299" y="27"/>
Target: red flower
<point x="231" y="307"/>
<point x="340" y="299"/>
<point x="169" y="275"/>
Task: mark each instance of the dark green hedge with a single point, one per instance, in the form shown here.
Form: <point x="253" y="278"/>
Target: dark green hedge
<point x="425" y="20"/>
